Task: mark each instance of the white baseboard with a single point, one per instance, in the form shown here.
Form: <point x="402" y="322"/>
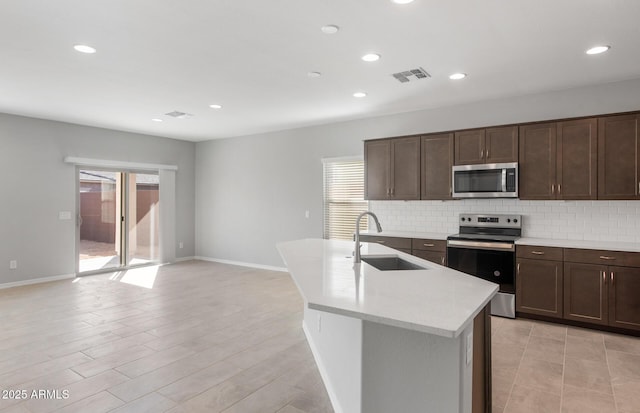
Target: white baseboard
<point x="242" y="264"/>
<point x="323" y="371"/>
<point x="181" y="259"/>
<point x="36" y="281"/>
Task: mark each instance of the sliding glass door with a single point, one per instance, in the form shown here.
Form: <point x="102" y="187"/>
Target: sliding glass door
<point x="118" y="216"/>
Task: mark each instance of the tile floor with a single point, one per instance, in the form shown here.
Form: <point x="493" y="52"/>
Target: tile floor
<point x="207" y="337"/>
<point x="541" y="367"/>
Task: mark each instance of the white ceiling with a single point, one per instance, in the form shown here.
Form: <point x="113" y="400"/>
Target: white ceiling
<point x="252" y="56"/>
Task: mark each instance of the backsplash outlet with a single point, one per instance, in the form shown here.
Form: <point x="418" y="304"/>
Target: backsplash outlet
<point x="574" y="220"/>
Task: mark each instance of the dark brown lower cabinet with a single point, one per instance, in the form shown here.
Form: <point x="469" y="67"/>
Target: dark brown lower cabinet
<point x="430" y="250"/>
<point x="539" y="287"/>
<point x="481" y="384"/>
<point x="433" y="256"/>
<point x="585" y="293"/>
<point x="624" y="297"/>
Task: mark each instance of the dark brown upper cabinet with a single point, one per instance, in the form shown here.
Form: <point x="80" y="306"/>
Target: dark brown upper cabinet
<point x="392" y="168"/>
<point x="537" y="161"/>
<point x="491" y="145"/>
<point x="618" y="152"/>
<point x="577" y="159"/>
<point x="559" y="160"/>
<point x="437" y="160"/>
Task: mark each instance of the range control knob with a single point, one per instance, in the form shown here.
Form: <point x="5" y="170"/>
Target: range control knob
<point x="515" y="220"/>
<point x="509" y="220"/>
<point x="462" y="219"/>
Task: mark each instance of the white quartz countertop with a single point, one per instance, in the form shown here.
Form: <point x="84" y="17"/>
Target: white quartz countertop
<point x="437" y="300"/>
<point x="591" y="245"/>
<point x="407" y="234"/>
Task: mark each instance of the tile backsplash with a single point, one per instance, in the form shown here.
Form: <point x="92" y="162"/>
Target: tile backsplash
<point x="575" y="220"/>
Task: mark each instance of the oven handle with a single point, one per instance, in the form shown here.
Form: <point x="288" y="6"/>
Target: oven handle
<point x="478" y="245"/>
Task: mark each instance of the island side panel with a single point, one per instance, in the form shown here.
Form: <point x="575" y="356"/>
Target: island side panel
<point x="413" y="372"/>
<point x="336" y="344"/>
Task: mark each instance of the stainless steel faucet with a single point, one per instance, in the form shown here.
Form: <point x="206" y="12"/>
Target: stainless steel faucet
<point x="356" y="252"/>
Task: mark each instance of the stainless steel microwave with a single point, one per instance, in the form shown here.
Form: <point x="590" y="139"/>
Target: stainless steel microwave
<point x="494" y="180"/>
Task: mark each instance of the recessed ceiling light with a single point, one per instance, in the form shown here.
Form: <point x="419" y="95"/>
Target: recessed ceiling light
<point x="215" y="106"/>
<point x="598" y="49"/>
<point x="371" y="57"/>
<point x="156" y="120"/>
<point x="402" y="1"/>
<point x="330" y="29"/>
<point x="314" y="74"/>
<point x="359" y="95"/>
<point x="458" y="76"/>
<point x="83" y="48"/>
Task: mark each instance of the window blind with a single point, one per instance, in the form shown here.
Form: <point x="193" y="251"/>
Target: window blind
<point x="343" y="198"/>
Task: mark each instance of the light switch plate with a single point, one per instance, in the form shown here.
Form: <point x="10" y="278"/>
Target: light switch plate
<point x="64" y="215"/>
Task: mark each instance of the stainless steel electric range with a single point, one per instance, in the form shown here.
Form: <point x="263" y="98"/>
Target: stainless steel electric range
<point x="485" y="248"/>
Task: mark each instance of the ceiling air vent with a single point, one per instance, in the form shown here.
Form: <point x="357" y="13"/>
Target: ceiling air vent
<point x="413" y="74"/>
<point x="179" y="115"/>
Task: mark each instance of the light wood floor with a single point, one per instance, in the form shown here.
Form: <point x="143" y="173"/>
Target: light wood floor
<point x="207" y="337"/>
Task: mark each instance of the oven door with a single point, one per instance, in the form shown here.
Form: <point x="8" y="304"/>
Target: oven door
<point x="492" y="261"/>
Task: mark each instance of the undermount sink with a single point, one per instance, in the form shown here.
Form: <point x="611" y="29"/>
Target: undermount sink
<point x="390" y="263"/>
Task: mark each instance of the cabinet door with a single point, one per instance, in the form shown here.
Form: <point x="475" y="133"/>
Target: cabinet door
<point x="469" y="147"/>
<point x="618" y="151"/>
<point x="539" y="287"/>
<point x="377" y="167"/>
<point x="437" y="160"/>
<point x="433" y="256"/>
<point x="577" y="159"/>
<point x="501" y="145"/>
<point x="624" y="297"/>
<point x="537" y="161"/>
<point x="405" y="168"/>
<point x="585" y="293"/>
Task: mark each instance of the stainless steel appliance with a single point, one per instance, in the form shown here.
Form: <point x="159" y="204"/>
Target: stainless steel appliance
<point x="485" y="248"/>
<point x="495" y="180"/>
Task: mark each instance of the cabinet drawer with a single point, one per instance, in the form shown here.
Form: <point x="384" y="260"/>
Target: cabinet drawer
<point x="602" y="257"/>
<point x="391" y="242"/>
<point x="539" y="253"/>
<point x="429" y="244"/>
<point x="439" y="257"/>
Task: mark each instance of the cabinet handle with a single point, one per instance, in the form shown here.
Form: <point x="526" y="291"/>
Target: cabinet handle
<point x="611" y="277"/>
<point x="429" y="245"/>
<point x="604" y="277"/>
<point x="559" y="189"/>
<point x="538" y="252"/>
<point x="392" y="191"/>
<point x="442" y="259"/>
<point x="553" y="189"/>
<point x="606" y="257"/>
<point x="518" y="268"/>
<point x="487" y="154"/>
<point x="380" y="242"/>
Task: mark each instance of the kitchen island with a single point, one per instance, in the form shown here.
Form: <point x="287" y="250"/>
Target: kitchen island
<point x="402" y="340"/>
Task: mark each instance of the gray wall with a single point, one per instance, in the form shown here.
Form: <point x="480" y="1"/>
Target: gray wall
<point x="36" y="184"/>
<point x="252" y="192"/>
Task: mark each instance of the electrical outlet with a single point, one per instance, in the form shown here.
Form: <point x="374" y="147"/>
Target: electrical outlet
<point x="13" y="264"/>
<point x="181" y="245"/>
<point x="64" y="215"/>
<point x="306" y="214"/>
